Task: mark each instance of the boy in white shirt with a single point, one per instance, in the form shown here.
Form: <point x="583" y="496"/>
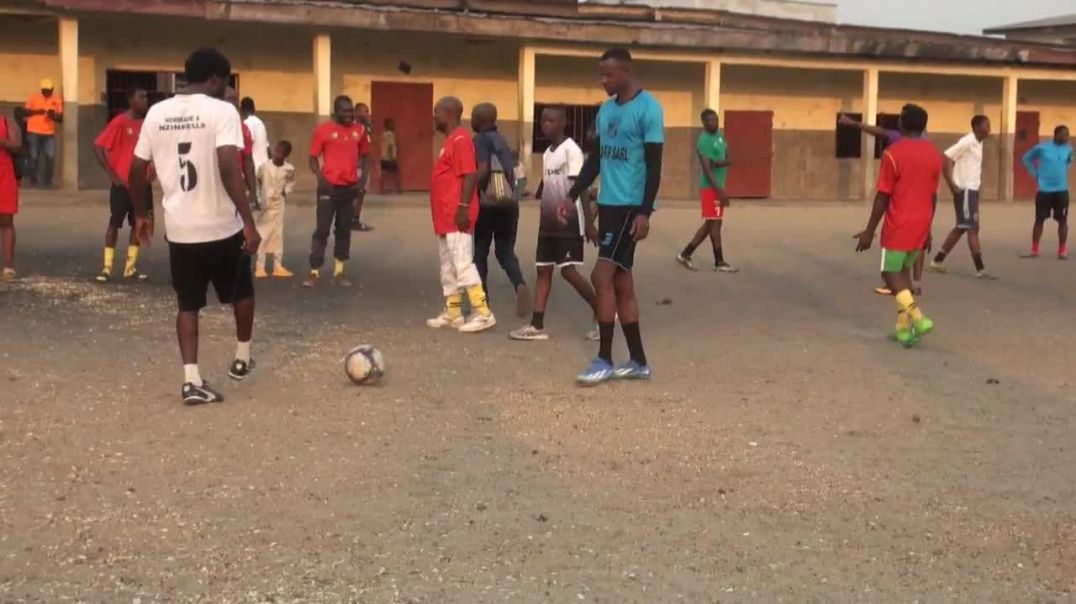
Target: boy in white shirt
<point x="964" y="174"/>
<point x="277" y="180"/>
<point x="560" y="231"/>
<point x="193" y="140"/>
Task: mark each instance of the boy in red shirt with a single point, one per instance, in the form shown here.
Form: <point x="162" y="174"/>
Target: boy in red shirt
<point x="454" y="206"/>
<point x="340" y="143"/>
<point x="907" y="196"/>
<point x="114" y="150"/>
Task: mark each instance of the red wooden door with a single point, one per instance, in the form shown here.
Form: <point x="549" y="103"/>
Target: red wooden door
<point x="411" y="107"/>
<point x="750" y="138"/>
<point x="1027" y="136"/>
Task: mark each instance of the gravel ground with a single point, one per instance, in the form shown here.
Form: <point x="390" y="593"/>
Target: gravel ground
<point x="784" y="452"/>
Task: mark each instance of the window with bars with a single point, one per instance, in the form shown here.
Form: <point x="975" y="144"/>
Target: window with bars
<point x="159" y="85"/>
<point x="581" y="120"/>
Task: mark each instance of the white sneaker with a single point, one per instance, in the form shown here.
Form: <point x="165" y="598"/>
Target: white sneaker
<point x="443" y="320"/>
<point x="529" y="333"/>
<point x="938" y="267"/>
<point x="478" y="322"/>
<point x="593" y="334"/>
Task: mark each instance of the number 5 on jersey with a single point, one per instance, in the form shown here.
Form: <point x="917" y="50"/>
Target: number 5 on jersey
<point x="188" y="176"/>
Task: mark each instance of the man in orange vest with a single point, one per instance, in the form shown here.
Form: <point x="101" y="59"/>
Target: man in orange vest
<point x="43" y="110"/>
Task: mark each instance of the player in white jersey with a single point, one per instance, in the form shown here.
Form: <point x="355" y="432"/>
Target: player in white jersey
<point x="560" y="230"/>
<point x="193" y="140"/>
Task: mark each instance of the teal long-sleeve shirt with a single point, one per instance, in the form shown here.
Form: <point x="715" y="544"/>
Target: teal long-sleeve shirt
<point x="1049" y="163"/>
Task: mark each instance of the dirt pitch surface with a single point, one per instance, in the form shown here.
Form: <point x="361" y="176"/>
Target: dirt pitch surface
<point x="784" y="451"/>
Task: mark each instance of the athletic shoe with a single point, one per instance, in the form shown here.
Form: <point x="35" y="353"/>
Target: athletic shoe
<point x="8" y="275"/>
<point x="1030" y="255"/>
<point x="478" y="322"/>
<point x="593" y="334"/>
<point x="883" y="291"/>
<point x="240" y="369"/>
<point x="259" y="273"/>
<point x="905" y="337"/>
<point x="528" y="333"/>
<point x="725" y="267"/>
<point x="135" y="276"/>
<point x="924" y="326"/>
<point x="984" y="274"/>
<point x="597" y="372"/>
<point x="104" y="276"/>
<point x="685" y="261"/>
<point x="938" y="267"/>
<point x="281" y="272"/>
<point x="361" y="226"/>
<point x="632" y="370"/>
<point x="341" y="281"/>
<point x="312" y="280"/>
<point x="523" y="301"/>
<point x="1063" y="253"/>
<point x="443" y="320"/>
<point x="196" y="395"/>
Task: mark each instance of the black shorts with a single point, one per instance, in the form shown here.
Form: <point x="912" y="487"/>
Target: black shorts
<point x="389" y="165"/>
<point x="1055" y="205"/>
<point x="122" y="208"/>
<point x="967" y="210"/>
<point x="615" y="241"/>
<point x="223" y="263"/>
<point x="558" y="251"/>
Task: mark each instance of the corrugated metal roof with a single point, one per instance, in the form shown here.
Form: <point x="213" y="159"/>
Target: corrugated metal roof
<point x="1061" y="21"/>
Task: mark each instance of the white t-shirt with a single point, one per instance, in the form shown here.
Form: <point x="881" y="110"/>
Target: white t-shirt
<point x="181" y="136"/>
<point x="261" y="140"/>
<point x="967" y="156"/>
<point x="560" y="167"/>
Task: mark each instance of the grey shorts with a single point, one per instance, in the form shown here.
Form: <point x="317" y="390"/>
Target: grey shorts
<point x="967" y="209"/>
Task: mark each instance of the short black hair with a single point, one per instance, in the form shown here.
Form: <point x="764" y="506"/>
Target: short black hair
<point x="913" y="118"/>
<point x="560" y="109"/>
<point x="1060" y="128"/>
<point x="132" y="91"/>
<point x="707" y="112"/>
<point x="205" y="63"/>
<point x="620" y="54"/>
<point x="978" y="120"/>
<point x="357" y="105"/>
<point x="287" y="146"/>
<point x="340" y="99"/>
<point x="247" y="104"/>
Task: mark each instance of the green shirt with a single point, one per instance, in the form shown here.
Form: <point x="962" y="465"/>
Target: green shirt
<point x="714" y="147"/>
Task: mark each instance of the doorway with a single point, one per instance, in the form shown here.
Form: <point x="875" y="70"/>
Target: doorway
<point x="411" y="107"/>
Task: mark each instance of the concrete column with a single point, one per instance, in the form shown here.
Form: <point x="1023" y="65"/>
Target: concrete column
<point x="713" y="85"/>
<point x="1007" y="136"/>
<point x="870" y="112"/>
<point x="323" y="102"/>
<point x="68" y="153"/>
<point x="526" y="104"/>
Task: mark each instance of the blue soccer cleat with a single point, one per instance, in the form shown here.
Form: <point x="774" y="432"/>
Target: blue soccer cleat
<point x="632" y="371"/>
<point x="599" y="371"/>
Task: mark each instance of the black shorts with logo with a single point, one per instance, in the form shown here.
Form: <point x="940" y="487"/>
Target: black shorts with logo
<point x="558" y="251"/>
<point x="615" y="241"/>
<point x="1055" y="205"/>
<point x="967" y="210"/>
<point x="122" y="208"/>
<point x="224" y="263"/>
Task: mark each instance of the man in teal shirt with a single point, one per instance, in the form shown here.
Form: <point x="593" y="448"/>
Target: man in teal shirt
<point x="1049" y="164"/>
<point x="712" y="151"/>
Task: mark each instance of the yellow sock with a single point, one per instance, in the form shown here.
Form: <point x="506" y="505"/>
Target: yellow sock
<point x="454" y="305"/>
<point x="903" y="322"/>
<point x="338" y="267"/>
<point x="132" y="260"/>
<point x="110" y="256"/>
<point x="477" y="296"/>
<point x="907" y="303"/>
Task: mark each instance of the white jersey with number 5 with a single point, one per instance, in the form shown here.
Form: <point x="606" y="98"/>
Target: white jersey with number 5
<point x="181" y="136"/>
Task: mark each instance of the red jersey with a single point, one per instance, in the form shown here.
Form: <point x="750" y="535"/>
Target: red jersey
<point x="118" y="140"/>
<point x="909" y="175"/>
<point x="340" y="147"/>
<point x="456" y="161"/>
<point x="9" y="187"/>
<point x="248" y="147"/>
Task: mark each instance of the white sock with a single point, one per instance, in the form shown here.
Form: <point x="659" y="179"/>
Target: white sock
<point x="191" y="374"/>
<point x="242" y="352"/>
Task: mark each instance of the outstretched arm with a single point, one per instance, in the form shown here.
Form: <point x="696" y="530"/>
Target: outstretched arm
<point x="874" y="131"/>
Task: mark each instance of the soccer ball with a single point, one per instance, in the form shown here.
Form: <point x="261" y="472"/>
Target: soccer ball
<point x="364" y="364"/>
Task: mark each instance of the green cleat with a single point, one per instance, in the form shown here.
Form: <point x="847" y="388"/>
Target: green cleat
<point x="905" y="337"/>
<point x="924" y="326"/>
